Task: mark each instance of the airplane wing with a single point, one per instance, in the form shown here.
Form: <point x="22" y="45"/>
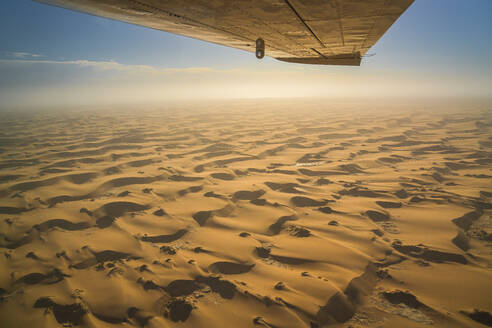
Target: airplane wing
<point x="325" y="32"/>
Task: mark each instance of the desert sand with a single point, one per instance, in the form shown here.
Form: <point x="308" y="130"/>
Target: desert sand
<point x="250" y="214"/>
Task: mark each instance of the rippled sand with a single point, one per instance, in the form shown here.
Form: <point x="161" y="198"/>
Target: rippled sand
<point x="246" y="215"/>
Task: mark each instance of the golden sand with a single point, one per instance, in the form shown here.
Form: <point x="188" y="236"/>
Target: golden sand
<point x="252" y="215"/>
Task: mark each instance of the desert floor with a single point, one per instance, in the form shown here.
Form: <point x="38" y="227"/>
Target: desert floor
<point x="251" y="214"/>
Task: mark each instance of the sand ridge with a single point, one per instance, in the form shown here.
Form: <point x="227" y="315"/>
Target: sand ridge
<point x="251" y="215"/>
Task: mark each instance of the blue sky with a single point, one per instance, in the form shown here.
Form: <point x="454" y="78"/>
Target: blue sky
<point x="438" y="47"/>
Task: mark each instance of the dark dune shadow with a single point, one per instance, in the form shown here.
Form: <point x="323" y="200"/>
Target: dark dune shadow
<point x="182" y="178"/>
<point x="483" y="317"/>
<point x="9" y="177"/>
<point x="73" y="178"/>
<point x="13" y="210"/>
<point x="181" y="287"/>
<point x="377" y="216"/>
<point x="65" y="198"/>
<point x="342" y="306"/>
<point x="63" y="224"/>
<point x="39" y="278"/>
<point x="71" y="314"/>
<point x="79" y="178"/>
<point x="338" y="309"/>
<point x="179" y="310"/>
<point x="105" y="221"/>
<point x="402" y="194"/>
<point x="390" y="160"/>
<point x="165" y="238"/>
<point x="329" y="136"/>
<point x="213" y="154"/>
<point x="192" y="189"/>
<point x="230" y="267"/>
<point x="126" y="181"/>
<point x="396" y="138"/>
<point x="247" y="195"/>
<point x="260" y="202"/>
<point x="461" y="241"/>
<point x="222" y="176"/>
<point x="110" y="318"/>
<point x="326" y="210"/>
<point x="289" y="188"/>
<point x="109" y="255"/>
<point x="112" y="170"/>
<point x="277" y="226"/>
<point x="18" y="163"/>
<point x="73" y="162"/>
<point x="299" y="232"/>
<point x="301" y="201"/>
<point x="266" y="254"/>
<point x="290" y="260"/>
<point x="140" y="163"/>
<point x="213" y="194"/>
<point x="117" y="209"/>
<point x="311" y="173"/>
<point x="357" y="192"/>
<point x="13" y="244"/>
<point x="288" y="172"/>
<point x="351" y="168"/>
<point x="224" y="288"/>
<point x="322" y="182"/>
<point x="466" y="220"/>
<point x="401" y="297"/>
<point x="159" y="212"/>
<point x="100" y="151"/>
<point x="199" y="168"/>
<point x="202" y="217"/>
<point x="389" y="204"/>
<point x="431" y="255"/>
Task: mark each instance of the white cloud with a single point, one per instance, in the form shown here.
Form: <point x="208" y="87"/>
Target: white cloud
<point x="25" y="58"/>
<point x="19" y="55"/>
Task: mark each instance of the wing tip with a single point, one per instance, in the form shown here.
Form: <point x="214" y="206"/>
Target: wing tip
<point x="348" y="60"/>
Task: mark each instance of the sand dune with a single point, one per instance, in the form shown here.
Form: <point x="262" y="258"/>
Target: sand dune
<point x="247" y="216"/>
